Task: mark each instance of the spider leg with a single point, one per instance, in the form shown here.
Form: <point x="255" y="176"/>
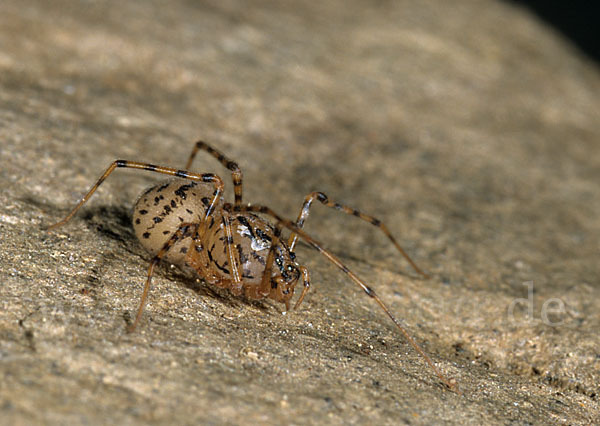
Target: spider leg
<point x="183" y="231"/>
<point x="368" y="290"/>
<point x="319" y="196"/>
<point x="204" y="177"/>
<point x="236" y="172"/>
<point x="266" y="282"/>
<point x="306" y="279"/>
<point x="233" y="259"/>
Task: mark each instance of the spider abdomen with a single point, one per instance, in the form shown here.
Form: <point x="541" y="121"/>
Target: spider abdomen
<point x="161" y="209"/>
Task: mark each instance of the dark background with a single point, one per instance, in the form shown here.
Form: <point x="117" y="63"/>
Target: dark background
<point x="577" y="20"/>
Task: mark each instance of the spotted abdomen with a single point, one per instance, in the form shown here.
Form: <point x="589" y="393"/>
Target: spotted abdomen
<point x="160" y="211"/>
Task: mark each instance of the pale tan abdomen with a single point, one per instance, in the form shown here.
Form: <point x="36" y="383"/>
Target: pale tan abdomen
<point x="160" y="211"/>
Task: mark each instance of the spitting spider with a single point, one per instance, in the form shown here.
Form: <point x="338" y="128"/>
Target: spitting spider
<point x="188" y="223"/>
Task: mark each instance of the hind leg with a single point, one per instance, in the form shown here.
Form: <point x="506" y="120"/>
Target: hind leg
<point x="204" y="177"/>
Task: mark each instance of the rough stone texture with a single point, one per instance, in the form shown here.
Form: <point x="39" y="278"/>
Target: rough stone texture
<point x="468" y="127"/>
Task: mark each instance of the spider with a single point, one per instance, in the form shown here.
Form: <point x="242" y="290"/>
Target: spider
<point x="188" y="223"/>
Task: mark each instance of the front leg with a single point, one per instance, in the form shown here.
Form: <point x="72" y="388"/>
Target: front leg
<point x="322" y="198"/>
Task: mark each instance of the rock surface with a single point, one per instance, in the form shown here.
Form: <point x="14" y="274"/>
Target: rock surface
<point x="468" y="128"/>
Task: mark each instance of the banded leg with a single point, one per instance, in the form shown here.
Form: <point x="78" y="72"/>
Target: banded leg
<point x="233" y="259"/>
<point x="236" y="172"/>
<point x="368" y="290"/>
<point x="265" y="284"/>
<point x="183" y="231"/>
<point x="350" y="211"/>
<point x="204" y="177"/>
<point x="306" y="282"/>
